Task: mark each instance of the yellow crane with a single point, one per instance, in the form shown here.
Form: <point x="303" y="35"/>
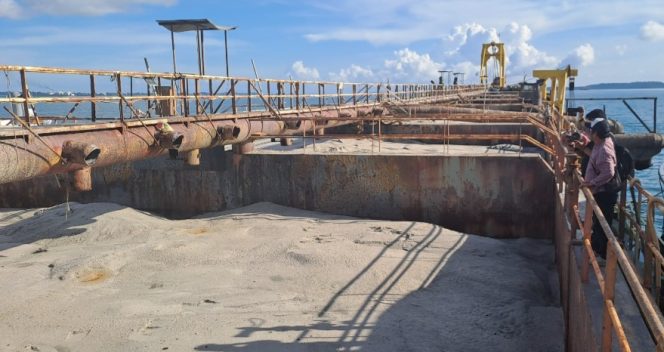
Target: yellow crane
<point x="497" y="52"/>
<point x="554" y="93"/>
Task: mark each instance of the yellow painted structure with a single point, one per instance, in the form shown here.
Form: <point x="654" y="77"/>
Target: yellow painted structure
<point x="496" y="51"/>
<point x="558" y="78"/>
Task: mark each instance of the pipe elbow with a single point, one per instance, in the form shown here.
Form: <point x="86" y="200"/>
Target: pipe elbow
<point x="169" y="140"/>
<point x="80" y="153"/>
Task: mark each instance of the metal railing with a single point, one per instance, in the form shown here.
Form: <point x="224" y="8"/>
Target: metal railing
<point x="181" y="94"/>
<point x="639" y="238"/>
<point x="575" y="275"/>
<point x="631" y="109"/>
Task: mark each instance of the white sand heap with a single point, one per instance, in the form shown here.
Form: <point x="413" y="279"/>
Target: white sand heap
<point x="367" y="146"/>
<point x="267" y="278"/>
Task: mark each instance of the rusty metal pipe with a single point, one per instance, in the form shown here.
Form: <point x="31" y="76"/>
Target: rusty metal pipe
<point x="26" y="157"/>
<point x="193" y="157"/>
<point x="80" y="153"/>
<point x="82" y="179"/>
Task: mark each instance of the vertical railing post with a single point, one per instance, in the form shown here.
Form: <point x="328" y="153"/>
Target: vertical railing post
<point x="249" y="95"/>
<point x="210" y="94"/>
<point x="378" y="93"/>
<point x="367" y="92"/>
<point x="339" y="101"/>
<point x="388" y="90"/>
<point x="648" y="256"/>
<point x="609" y="289"/>
<point x="185" y="96"/>
<point x="654" y="116"/>
<point x="572" y="194"/>
<point x="354" y="94"/>
<point x="587" y="229"/>
<point x="233" y="96"/>
<point x="93" y="105"/>
<point x="622" y="207"/>
<point x="197" y="97"/>
<point x="290" y="94"/>
<point x="118" y="79"/>
<point x="269" y="93"/>
<point x="26" y="94"/>
<point x="297" y="96"/>
<point x="304" y="96"/>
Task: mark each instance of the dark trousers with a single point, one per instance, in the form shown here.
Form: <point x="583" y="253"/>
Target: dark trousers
<point x="606" y="201"/>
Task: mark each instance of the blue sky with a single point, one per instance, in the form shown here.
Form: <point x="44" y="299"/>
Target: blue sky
<point x="349" y="40"/>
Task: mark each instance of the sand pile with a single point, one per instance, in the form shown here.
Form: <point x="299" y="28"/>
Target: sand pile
<point x="366" y="146"/>
<point x="267" y="278"/>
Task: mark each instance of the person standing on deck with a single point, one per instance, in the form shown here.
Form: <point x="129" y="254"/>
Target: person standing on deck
<point x="600" y="172"/>
<point x="584" y="146"/>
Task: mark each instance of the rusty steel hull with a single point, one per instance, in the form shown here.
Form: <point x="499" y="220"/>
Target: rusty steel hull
<point x="642" y="146"/>
<point x="481" y="194"/>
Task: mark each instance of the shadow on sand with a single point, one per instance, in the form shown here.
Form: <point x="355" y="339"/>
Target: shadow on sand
<point x="480" y="295"/>
<point x="62" y="220"/>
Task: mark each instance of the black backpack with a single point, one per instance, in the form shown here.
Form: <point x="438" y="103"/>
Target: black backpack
<point x="624" y="162"/>
<point x="624" y="168"/>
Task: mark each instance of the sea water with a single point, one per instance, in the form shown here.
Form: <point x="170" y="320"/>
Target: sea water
<point x="617" y="110"/>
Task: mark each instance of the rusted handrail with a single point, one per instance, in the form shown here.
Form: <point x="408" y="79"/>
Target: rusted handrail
<point x="644" y="240"/>
<point x="569" y="177"/>
<point x="176" y="91"/>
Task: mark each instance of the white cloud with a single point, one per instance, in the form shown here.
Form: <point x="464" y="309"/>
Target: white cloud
<point x="621" y="49"/>
<point x="583" y="55"/>
<point x="653" y="31"/>
<point x="521" y="56"/>
<point x="462" y="55"/>
<point x="470" y="69"/>
<point x="412" y="66"/>
<point x="10" y="9"/>
<point x="21" y="8"/>
<point x="463" y="51"/>
<point x="468" y="38"/>
<point x="302" y="72"/>
<point x="352" y="73"/>
<point x="404" y="22"/>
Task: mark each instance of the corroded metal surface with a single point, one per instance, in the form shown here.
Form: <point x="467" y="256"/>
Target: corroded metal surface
<point x="27" y="157"/>
<point x="642" y="146"/>
<point x="578" y="321"/>
<point x="478" y="194"/>
<point x="514" y="129"/>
